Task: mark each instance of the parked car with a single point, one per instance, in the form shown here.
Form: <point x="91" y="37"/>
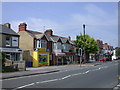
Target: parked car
<point x="101" y="59"/>
<point x="104" y="59"/>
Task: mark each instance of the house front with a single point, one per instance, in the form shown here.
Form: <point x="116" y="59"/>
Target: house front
<point x="9" y="44"/>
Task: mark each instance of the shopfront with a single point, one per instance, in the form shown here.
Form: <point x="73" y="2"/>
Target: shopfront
<point x="41" y="58"/>
<point x="13" y="54"/>
<point x="58" y="58"/>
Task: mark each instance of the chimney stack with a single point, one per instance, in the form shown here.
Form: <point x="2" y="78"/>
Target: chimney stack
<point x="49" y="32"/>
<point x="7" y="25"/>
<point x="22" y="27"/>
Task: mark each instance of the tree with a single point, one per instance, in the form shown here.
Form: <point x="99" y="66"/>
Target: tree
<point x="2" y="58"/>
<point x="118" y="52"/>
<point x="90" y="45"/>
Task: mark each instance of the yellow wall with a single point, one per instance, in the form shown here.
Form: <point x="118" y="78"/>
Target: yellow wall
<point x="36" y="58"/>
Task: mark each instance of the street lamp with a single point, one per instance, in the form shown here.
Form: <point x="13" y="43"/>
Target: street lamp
<point x="84" y="41"/>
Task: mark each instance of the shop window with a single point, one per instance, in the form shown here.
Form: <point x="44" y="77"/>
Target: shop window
<point x="8" y="56"/>
<point x="8" y="41"/>
<point x="13" y="56"/>
<point x="17" y="57"/>
<point x="43" y="58"/>
<point x="59" y="60"/>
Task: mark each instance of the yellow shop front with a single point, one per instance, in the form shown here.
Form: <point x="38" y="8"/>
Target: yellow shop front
<point x="41" y="57"/>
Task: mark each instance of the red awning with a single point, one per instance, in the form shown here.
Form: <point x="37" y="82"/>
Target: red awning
<point x="59" y="54"/>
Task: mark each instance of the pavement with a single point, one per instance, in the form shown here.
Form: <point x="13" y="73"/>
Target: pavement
<point x="44" y="69"/>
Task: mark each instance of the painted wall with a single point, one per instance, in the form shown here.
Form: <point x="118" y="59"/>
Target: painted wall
<point x="26" y="41"/>
<point x="36" y="58"/>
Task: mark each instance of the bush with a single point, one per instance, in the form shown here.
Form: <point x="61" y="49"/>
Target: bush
<point x="12" y="68"/>
<point x="2" y="58"/>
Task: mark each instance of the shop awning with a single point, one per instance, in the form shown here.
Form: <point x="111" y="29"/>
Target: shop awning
<point x="60" y="54"/>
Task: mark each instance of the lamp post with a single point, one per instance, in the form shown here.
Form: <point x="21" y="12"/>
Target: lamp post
<point x="84" y="42"/>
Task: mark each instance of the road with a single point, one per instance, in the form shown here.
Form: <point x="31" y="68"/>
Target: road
<point x="100" y="76"/>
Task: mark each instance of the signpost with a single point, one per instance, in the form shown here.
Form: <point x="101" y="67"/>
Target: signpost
<point x="79" y="51"/>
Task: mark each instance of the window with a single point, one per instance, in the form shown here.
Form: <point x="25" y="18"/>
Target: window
<point x="15" y="41"/>
<point x="55" y="46"/>
<point x="41" y="43"/>
<point x="63" y="46"/>
<point x="8" y="56"/>
<point x="38" y="43"/>
<point x="8" y="41"/>
<point x="59" y="45"/>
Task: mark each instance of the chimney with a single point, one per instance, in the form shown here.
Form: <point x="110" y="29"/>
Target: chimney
<point x="49" y="32"/>
<point x="69" y="38"/>
<point x="7" y="25"/>
<point x="22" y="27"/>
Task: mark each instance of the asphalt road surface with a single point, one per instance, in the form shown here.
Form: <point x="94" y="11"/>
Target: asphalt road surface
<point x="100" y="76"/>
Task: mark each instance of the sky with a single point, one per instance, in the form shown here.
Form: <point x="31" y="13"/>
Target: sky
<point x="66" y="18"/>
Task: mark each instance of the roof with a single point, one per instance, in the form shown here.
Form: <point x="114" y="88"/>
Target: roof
<point x="38" y="35"/>
<point x="55" y="39"/>
<point x="33" y="33"/>
<point x="6" y="30"/>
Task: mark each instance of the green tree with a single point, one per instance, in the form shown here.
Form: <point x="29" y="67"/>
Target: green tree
<point x="90" y="45"/>
<point x="2" y="58"/>
<point x="118" y="52"/>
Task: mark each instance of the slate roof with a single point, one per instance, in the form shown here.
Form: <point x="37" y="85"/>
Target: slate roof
<point x="38" y="35"/>
<point x="6" y="30"/>
<point x="33" y="33"/>
<point x="55" y="39"/>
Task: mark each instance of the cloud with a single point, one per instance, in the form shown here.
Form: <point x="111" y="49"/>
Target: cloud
<point x="99" y="24"/>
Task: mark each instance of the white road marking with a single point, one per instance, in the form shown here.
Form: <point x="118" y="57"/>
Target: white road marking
<point x="87" y="71"/>
<point x="25" y="85"/>
<point x="48" y="81"/>
<point x="66" y="76"/>
<point x="76" y="74"/>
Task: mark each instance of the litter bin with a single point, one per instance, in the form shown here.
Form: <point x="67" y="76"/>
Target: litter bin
<point x="30" y="64"/>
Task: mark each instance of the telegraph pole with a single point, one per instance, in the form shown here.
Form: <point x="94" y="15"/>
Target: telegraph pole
<point x="84" y="42"/>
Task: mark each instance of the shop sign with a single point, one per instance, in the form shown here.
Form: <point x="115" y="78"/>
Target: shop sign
<point x="72" y="47"/>
<point x="43" y="58"/>
<point x="60" y="54"/>
<point x="42" y="49"/>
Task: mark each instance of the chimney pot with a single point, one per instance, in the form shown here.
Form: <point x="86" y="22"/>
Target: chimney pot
<point x="49" y="32"/>
<point x="22" y="27"/>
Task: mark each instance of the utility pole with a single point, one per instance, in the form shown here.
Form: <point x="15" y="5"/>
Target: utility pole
<point x="84" y="42"/>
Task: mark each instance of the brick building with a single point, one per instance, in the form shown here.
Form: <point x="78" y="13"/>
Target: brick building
<point x="61" y="49"/>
